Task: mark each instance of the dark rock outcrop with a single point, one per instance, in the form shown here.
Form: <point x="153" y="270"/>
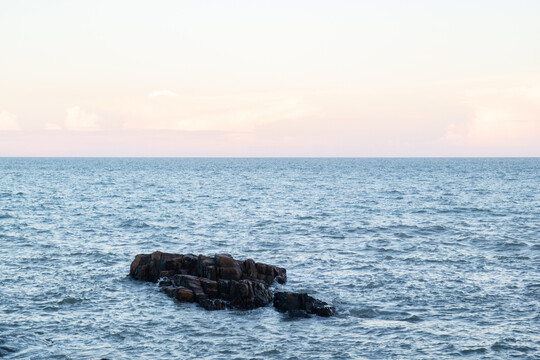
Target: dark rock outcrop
<point x="213" y="282"/>
<point x="217" y="295"/>
<point x="151" y="267"/>
<point x="301" y="305"/>
<point x="221" y="282"/>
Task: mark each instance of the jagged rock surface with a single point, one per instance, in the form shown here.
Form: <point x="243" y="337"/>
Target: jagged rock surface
<point x="301" y="305"/>
<point x="151" y="267"/>
<point x="217" y="295"/>
<point x="213" y="282"/>
<point x="220" y="282"/>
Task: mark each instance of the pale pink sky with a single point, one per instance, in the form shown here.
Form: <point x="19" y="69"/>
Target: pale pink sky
<point x="276" y="78"/>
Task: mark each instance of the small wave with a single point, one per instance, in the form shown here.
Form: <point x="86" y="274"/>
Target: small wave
<point x="372" y="313"/>
<point x="407" y="229"/>
<point x="69" y="300"/>
<point x="6" y="216"/>
<point x="461" y="210"/>
<point x="431" y="229"/>
<point x="504" y="345"/>
<point x="412" y="319"/>
<point x="134" y="224"/>
<point x="267" y="353"/>
<point x="443" y="261"/>
<point x="503" y="258"/>
<point x="263" y="223"/>
<point x="135" y="206"/>
<point x="471" y="351"/>
<point x="366" y="313"/>
<point x="112" y="196"/>
<point x="105" y="183"/>
<point x="403" y="235"/>
<point x="438" y="228"/>
<point x="6" y="350"/>
<point x="512" y="244"/>
<point x="374" y="285"/>
<point x="335" y="236"/>
<point x="306" y="217"/>
<point x="381" y="249"/>
<point x="355" y="230"/>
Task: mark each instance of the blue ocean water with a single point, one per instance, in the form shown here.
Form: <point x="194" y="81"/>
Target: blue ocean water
<point x="423" y="258"/>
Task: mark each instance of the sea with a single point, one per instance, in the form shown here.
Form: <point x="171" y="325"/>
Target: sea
<point x="423" y="258"/>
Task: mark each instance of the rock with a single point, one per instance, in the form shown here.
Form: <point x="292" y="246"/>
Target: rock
<point x="249" y="269"/>
<point x="210" y="287"/>
<point x="230" y="273"/>
<point x="224" y="260"/>
<point x="152" y="267"/>
<point x="220" y="282"/>
<point x="192" y="283"/>
<point x="238" y="294"/>
<point x="297" y="303"/>
<point x="213" y="282"/>
<point x="185" y="295"/>
<point x="245" y="294"/>
<point x="149" y="267"/>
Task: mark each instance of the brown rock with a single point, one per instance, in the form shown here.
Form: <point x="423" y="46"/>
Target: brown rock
<point x="230" y="273"/>
<point x="185" y="295"/>
<point x="249" y="269"/>
<point x="224" y="260"/>
<point x="214" y="282"/>
<point x="210" y="287"/>
<point x="150" y="267"/>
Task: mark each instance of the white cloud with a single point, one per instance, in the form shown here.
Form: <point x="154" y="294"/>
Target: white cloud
<point x="241" y="112"/>
<point x="79" y="120"/>
<point x="8" y="122"/>
<point x="500" y="117"/>
<point x="239" y="119"/>
<point x="162" y="93"/>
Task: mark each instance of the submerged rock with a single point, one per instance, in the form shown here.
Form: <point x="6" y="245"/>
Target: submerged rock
<point x="221" y="282"/>
<point x="301" y="305"/>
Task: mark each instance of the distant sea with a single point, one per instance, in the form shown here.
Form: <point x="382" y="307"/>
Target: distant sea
<point x="422" y="258"/>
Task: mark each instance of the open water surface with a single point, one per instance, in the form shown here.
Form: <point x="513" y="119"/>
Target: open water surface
<point x="423" y="258"/>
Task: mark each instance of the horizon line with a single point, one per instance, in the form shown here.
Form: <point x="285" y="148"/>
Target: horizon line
<point x="269" y="157"/>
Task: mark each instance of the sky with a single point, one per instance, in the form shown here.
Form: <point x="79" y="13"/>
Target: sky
<point x="270" y="78"/>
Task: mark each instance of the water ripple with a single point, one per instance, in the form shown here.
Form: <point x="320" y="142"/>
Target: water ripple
<point x="423" y="258"/>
